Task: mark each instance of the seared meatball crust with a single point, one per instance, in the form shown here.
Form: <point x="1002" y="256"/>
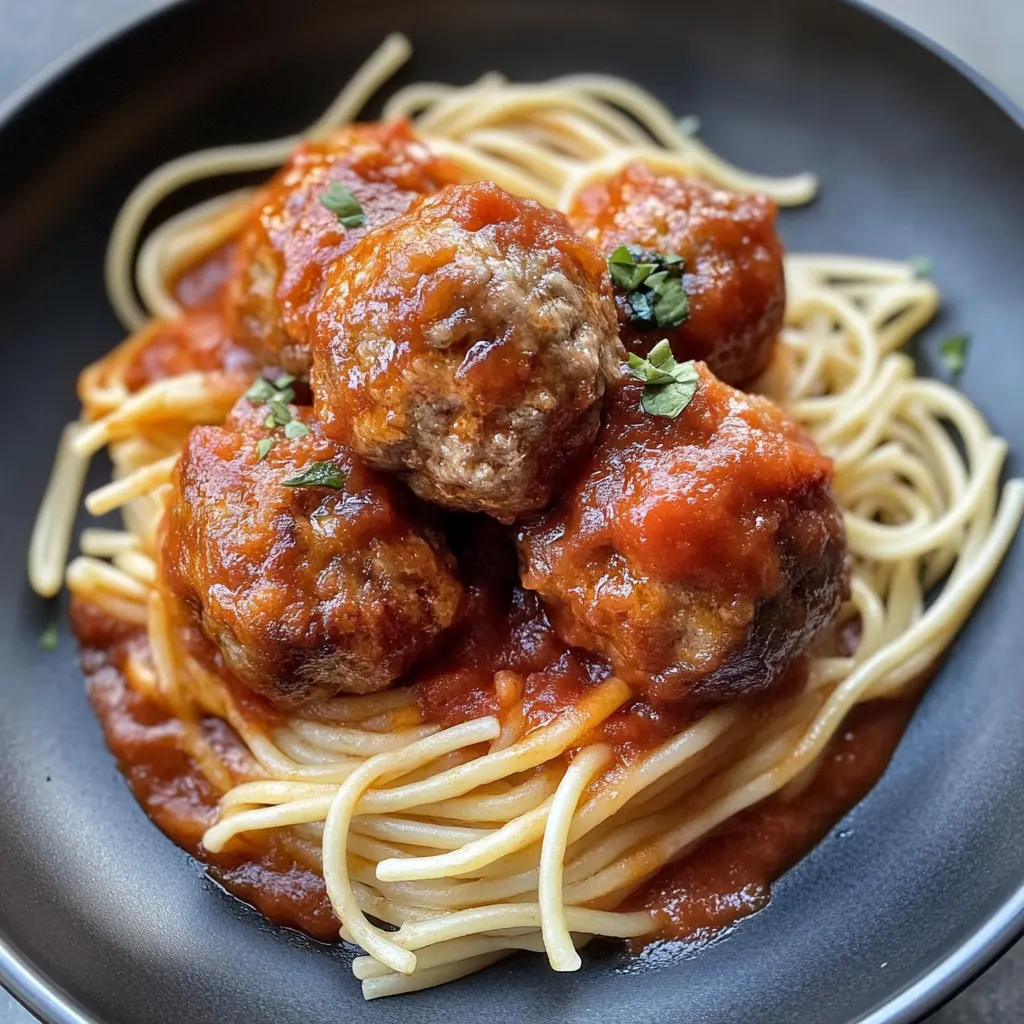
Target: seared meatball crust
<point x="290" y="238"/>
<point x="700" y="554"/>
<point x="733" y="273"/>
<point x="307" y="591"/>
<point x="466" y="345"/>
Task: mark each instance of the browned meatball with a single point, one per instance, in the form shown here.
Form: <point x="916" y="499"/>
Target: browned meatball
<point x="700" y="554"/>
<point x="466" y="344"/>
<point x="732" y="264"/>
<point x="291" y="237"/>
<point x="307" y="590"/>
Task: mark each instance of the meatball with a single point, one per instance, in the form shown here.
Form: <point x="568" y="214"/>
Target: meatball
<point x="310" y="590"/>
<point x="291" y="237"/>
<point x="732" y="264"/>
<point x="466" y="345"/>
<point x="699" y="554"/>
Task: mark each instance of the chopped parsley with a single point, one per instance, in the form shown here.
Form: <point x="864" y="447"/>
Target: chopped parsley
<point x="653" y="283"/>
<point x="264" y="390"/>
<point x="922" y="266"/>
<point x="954" y="353"/>
<point x="689" y="125"/>
<point x="279" y="415"/>
<point x="276" y="394"/>
<point x="344" y="205"/>
<point x="670" y="386"/>
<point x="319" y="474"/>
<point x="49" y="637"/>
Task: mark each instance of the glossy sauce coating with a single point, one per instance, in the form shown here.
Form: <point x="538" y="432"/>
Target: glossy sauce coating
<point x="305" y="590"/>
<point x="203" y="283"/>
<point x="727" y="877"/>
<point x="147" y="743"/>
<point x="466" y="345"/>
<point x="700" y="554"/>
<point x="733" y="271"/>
<point x="291" y="238"/>
<point x="197" y="340"/>
<point x="506" y="629"/>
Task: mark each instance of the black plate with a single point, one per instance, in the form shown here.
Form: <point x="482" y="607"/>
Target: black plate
<point x="102" y="917"/>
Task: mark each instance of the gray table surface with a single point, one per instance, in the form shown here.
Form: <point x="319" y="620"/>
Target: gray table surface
<point x="986" y="33"/>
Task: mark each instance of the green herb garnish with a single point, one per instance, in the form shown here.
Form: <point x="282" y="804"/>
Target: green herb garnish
<point x="689" y="125"/>
<point x="49" y="637"/>
<point x="922" y="266"/>
<point x="671" y="305"/>
<point x="280" y="414"/>
<point x="653" y="283"/>
<point x="626" y="272"/>
<point x="319" y="474"/>
<point x="344" y="205"/>
<point x="276" y="394"/>
<point x="263" y="391"/>
<point x="263" y="446"/>
<point x="954" y="353"/>
<point x="670" y="386"/>
<point x="294" y="429"/>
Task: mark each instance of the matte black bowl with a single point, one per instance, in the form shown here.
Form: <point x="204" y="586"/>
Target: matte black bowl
<point x="102" y="918"/>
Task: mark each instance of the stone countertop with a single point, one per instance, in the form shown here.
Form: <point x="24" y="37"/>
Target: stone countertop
<point x="985" y="33"/>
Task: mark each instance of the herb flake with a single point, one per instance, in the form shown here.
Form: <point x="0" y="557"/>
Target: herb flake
<point x="625" y="272"/>
<point x="49" y="637"/>
<point x="294" y="429"/>
<point x="319" y="474"/>
<point x="922" y="266"/>
<point x="263" y="391"/>
<point x="670" y="386"/>
<point x="280" y="415"/>
<point x="343" y="204"/>
<point x="954" y="353"/>
<point x="688" y="125"/>
<point x="653" y="283"/>
<point x="262" y="447"/>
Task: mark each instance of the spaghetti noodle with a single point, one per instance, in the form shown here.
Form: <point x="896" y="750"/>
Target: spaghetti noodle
<point x="485" y="837"/>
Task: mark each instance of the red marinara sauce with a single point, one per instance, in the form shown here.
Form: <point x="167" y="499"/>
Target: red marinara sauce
<point x="200" y="338"/>
<point x="726" y="878"/>
<point x="146" y="740"/>
<point x="729" y="876"/>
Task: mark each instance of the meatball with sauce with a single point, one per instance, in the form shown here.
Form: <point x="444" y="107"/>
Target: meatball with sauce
<point x="291" y="236"/>
<point x="329" y="585"/>
<point x="700" y="554"/>
<point x="466" y="345"/>
<point x="732" y="264"/>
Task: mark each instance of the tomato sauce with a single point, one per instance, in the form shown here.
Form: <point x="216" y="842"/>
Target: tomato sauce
<point x="202" y="283"/>
<point x="198" y="340"/>
<point x="147" y="743"/>
<point x="728" y="877"/>
<point x="201" y="339"/>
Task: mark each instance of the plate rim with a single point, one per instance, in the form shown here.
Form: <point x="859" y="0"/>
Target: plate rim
<point x="46" y="999"/>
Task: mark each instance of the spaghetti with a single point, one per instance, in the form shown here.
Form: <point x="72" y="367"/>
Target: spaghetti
<point x="486" y="837"/>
